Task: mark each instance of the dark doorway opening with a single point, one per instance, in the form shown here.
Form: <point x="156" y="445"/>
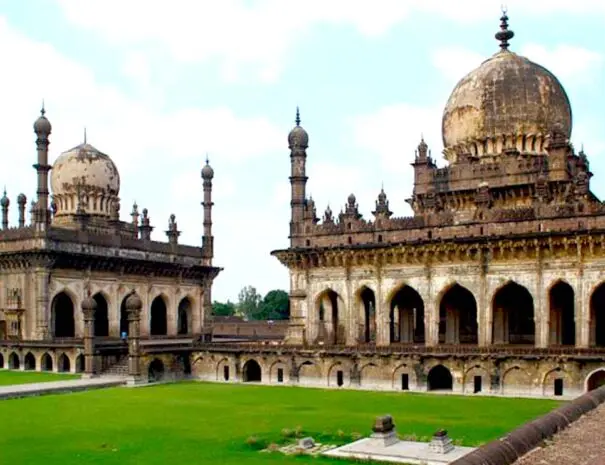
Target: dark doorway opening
<point x="226" y="372"/>
<point x="46" y="363"/>
<point x="184" y="316"/>
<point x="13" y="361"/>
<point x="340" y="378"/>
<point x="252" y="372"/>
<point x="159" y="322"/>
<point x="155" y="371"/>
<point x="559" y="387"/>
<point x="101" y="316"/>
<point x="63" y="364"/>
<point x="405" y="382"/>
<point x="280" y="375"/>
<point x="123" y="318"/>
<point x="63" y="316"/>
<point x="477" y="384"/>
<point x="440" y="379"/>
<point x="29" y="362"/>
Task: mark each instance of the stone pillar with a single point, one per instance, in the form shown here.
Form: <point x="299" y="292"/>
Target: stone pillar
<point x="133" y="307"/>
<point x="89" y="306"/>
<point x="431" y="323"/>
<point x="42" y="265"/>
<point x="584" y="325"/>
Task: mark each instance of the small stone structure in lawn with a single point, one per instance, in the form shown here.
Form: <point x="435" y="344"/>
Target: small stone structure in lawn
<point x="306" y="443"/>
<point x="384" y="445"/>
<point x="384" y="431"/>
<point x="441" y="443"/>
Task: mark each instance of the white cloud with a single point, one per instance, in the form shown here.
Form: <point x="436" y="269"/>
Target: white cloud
<point x="257" y="36"/>
<point x="456" y="62"/>
<point x="567" y="61"/>
<point x="159" y="154"/>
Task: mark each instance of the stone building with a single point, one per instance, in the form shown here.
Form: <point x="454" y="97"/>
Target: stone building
<point x="494" y="285"/>
<point x="66" y="275"/>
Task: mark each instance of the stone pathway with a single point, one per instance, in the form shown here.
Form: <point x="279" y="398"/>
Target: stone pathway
<point x="55" y="387"/>
<point x="582" y="443"/>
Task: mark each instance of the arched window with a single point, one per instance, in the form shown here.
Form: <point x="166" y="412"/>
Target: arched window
<point x="101" y="316"/>
<point x="158" y="326"/>
<point x="184" y="317"/>
<point x="63" y="321"/>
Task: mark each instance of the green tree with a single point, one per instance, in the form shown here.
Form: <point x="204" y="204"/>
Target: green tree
<point x="248" y="302"/>
<point x="275" y="306"/>
<point x="223" y="309"/>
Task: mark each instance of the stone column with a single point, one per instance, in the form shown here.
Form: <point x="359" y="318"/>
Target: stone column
<point x="42" y="265"/>
<point x="89" y="306"/>
<point x="431" y="325"/>
<point x="133" y="307"/>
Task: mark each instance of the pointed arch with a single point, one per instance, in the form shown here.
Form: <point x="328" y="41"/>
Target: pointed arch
<point x="513" y="315"/>
<point x="595" y="379"/>
<point x="184" y="316"/>
<point x="29" y="362"/>
<point x="458" y="316"/>
<point x="155" y="371"/>
<point x="46" y="362"/>
<point x="13" y="361"/>
<point x="124" y="327"/>
<point x="597" y="316"/>
<point x="101" y="325"/>
<point x="562" y="324"/>
<point x="366" y="304"/>
<point x="329" y="306"/>
<point x="159" y="316"/>
<point x="252" y="372"/>
<point x="63" y="364"/>
<point x="63" y="315"/>
<point x="440" y="379"/>
<point x="406" y="315"/>
<point x="80" y="364"/>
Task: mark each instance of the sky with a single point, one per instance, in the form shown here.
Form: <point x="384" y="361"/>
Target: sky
<point x="158" y="85"/>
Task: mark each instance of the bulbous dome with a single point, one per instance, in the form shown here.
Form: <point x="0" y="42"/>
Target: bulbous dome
<point x="207" y="171"/>
<point x="298" y="137"/>
<point x="507" y="102"/>
<point x="85" y="178"/>
<point x="42" y="126"/>
<point x="133" y="302"/>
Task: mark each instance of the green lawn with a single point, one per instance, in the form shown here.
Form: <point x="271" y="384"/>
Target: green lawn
<point x="197" y="423"/>
<point x="25" y="377"/>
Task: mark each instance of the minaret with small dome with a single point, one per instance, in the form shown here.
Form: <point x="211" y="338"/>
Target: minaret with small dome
<point x="298" y="142"/>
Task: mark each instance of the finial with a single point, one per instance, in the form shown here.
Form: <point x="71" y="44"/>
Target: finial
<point x="42" y="110"/>
<point x="84" y="134"/>
<point x="297" y="116"/>
<point x="207" y="161"/>
<point x="5" y="190"/>
<point x="504" y="34"/>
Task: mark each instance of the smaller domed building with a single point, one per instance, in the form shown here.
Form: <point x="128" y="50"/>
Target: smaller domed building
<point x="71" y="277"/>
<point x="494" y="285"/>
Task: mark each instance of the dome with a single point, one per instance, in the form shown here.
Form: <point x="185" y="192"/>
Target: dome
<point x="298" y="137"/>
<point x="87" y="178"/>
<point x="42" y="126"/>
<point x="133" y="302"/>
<point x="507" y="102"/>
<point x="207" y="171"/>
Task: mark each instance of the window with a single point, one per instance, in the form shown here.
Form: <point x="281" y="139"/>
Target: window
<point x="308" y="242"/>
<point x="379" y="237"/>
<point x="558" y="386"/>
<point x="339" y="378"/>
<point x="405" y="382"/>
<point x="477" y="384"/>
<point x="350" y="240"/>
<point x="280" y="375"/>
<point x="226" y="372"/>
<point x="430" y="234"/>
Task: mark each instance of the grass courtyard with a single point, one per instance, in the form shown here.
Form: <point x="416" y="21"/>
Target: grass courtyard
<point x="198" y="423"/>
<point x="25" y="377"/>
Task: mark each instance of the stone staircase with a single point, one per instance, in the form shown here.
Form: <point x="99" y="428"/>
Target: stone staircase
<point x="120" y="368"/>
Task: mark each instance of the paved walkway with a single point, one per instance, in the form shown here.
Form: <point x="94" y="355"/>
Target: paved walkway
<point x="582" y="443"/>
<point x="55" y="387"/>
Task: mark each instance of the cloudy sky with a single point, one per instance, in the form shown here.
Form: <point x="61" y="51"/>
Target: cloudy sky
<point x="159" y="84"/>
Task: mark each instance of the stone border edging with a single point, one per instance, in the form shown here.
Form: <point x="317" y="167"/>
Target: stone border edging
<point x="510" y="448"/>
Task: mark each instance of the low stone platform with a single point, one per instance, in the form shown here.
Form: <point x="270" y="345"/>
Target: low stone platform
<point x="407" y="452"/>
<point x="57" y="387"/>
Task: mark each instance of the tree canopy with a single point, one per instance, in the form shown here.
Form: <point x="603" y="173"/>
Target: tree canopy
<point x="275" y="305"/>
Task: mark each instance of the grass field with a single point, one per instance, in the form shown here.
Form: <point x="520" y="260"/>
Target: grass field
<point x="197" y="423"/>
<point x="25" y="377"/>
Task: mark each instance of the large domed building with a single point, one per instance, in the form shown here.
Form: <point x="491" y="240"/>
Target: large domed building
<point x="494" y="284"/>
<point x="83" y="290"/>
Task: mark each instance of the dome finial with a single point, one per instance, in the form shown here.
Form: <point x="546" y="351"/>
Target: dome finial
<point x="297" y="120"/>
<point x="85" y="134"/>
<point x="504" y="34"/>
<point x="42" y="110"/>
<point x="207" y="160"/>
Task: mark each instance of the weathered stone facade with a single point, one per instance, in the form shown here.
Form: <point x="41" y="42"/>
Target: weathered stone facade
<point x="76" y="249"/>
<point x="495" y="284"/>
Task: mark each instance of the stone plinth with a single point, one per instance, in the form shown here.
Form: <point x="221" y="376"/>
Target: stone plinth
<point x="384" y="431"/>
<point x="441" y="443"/>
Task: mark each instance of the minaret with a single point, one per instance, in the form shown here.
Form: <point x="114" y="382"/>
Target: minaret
<point x="298" y="141"/>
<point x="207" y="239"/>
<point x="5" y="202"/>
<point x="42" y="128"/>
<point x="21" y="202"/>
